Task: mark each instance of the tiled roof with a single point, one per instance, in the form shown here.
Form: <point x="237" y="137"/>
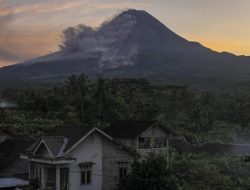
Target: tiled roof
<point x="54" y="143"/>
<point x="62" y="138"/>
<point x="130" y="129"/>
<point x="72" y="133"/>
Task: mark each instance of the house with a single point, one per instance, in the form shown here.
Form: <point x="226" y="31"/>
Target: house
<point x="78" y="158"/>
<point x="143" y="136"/>
<point x="11" y="145"/>
<point x="5" y="134"/>
<point x="12" y="183"/>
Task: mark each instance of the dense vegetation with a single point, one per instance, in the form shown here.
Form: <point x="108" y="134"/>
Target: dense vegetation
<point x="79" y="100"/>
<point x="205" y="116"/>
<point x="189" y="172"/>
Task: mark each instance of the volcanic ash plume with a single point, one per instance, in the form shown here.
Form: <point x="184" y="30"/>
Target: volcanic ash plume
<point x="106" y="41"/>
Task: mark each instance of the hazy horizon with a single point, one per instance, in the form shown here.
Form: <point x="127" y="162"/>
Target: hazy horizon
<point x="31" y="28"/>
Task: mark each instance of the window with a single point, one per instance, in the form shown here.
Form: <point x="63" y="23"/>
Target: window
<point x="122" y="173"/>
<point x="152" y="142"/>
<point x="123" y="170"/>
<point x="144" y="142"/>
<point x="85" y="177"/>
<point x="160" y="142"/>
<point x="86" y="173"/>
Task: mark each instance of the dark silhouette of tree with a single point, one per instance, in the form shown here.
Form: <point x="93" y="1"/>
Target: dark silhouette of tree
<point x="77" y="90"/>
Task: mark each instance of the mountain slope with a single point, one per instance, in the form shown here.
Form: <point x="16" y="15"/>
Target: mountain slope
<point x="135" y="44"/>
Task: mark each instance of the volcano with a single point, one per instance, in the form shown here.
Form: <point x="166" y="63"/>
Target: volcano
<point x="134" y="44"/>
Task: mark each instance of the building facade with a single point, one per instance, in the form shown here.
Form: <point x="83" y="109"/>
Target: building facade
<point x="80" y="159"/>
<point x="143" y="136"/>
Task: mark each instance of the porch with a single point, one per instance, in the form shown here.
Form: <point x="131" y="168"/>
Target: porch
<point x="49" y="174"/>
<point x="51" y="177"/>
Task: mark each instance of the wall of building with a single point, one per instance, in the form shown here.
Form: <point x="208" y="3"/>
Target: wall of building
<point x="112" y="155"/>
<point x="154" y="131"/>
<point x="90" y="150"/>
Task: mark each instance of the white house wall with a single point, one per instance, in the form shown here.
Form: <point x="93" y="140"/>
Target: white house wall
<point x="112" y="155"/>
<point x="90" y="150"/>
<point x="154" y="131"/>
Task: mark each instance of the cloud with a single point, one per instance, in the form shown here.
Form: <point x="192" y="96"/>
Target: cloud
<point x="8" y="55"/>
<point x="4" y="54"/>
<point x="27" y="24"/>
<point x="117" y="5"/>
<point x="42" y="7"/>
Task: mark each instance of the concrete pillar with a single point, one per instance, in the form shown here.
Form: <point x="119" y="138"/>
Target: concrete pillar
<point x="168" y="153"/>
<point x="57" y="177"/>
<point x="43" y="177"/>
<point x="29" y="170"/>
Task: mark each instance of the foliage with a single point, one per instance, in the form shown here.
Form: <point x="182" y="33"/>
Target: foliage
<point x="211" y="172"/>
<point x="188" y="172"/>
<point x="204" y="116"/>
<point x="151" y="174"/>
<point x="207" y="116"/>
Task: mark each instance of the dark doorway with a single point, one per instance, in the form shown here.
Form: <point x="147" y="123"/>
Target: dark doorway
<point x="64" y="178"/>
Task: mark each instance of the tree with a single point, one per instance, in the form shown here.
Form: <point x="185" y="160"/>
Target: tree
<point x="77" y="91"/>
<point x="151" y="174"/>
<point x="100" y="98"/>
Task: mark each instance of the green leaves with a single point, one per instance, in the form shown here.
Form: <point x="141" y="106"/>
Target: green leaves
<point x="151" y="174"/>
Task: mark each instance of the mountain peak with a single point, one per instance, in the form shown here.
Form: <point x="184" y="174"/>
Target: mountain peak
<point x="132" y="44"/>
<point x="134" y="12"/>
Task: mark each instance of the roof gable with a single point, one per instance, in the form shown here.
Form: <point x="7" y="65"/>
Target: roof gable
<point x="41" y="148"/>
<point x="128" y="149"/>
<point x="70" y="137"/>
<point x="72" y="133"/>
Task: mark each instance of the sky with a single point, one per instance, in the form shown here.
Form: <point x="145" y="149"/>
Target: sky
<point x="32" y="28"/>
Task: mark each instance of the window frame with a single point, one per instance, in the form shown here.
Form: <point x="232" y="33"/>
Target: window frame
<point x="122" y="170"/>
<point x="144" y="142"/>
<point x="86" y="174"/>
<point x="123" y="173"/>
<point x="152" y="142"/>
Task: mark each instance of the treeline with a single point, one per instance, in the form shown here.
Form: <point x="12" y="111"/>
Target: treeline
<point x="99" y="102"/>
<point x="188" y="172"/>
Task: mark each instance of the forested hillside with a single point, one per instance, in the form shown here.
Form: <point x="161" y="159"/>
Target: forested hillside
<point x="204" y="115"/>
<point x="199" y="116"/>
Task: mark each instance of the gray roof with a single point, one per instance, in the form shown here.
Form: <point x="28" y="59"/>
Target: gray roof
<point x="72" y="133"/>
<point x="54" y="143"/>
<point x="64" y="137"/>
<point x="12" y="182"/>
